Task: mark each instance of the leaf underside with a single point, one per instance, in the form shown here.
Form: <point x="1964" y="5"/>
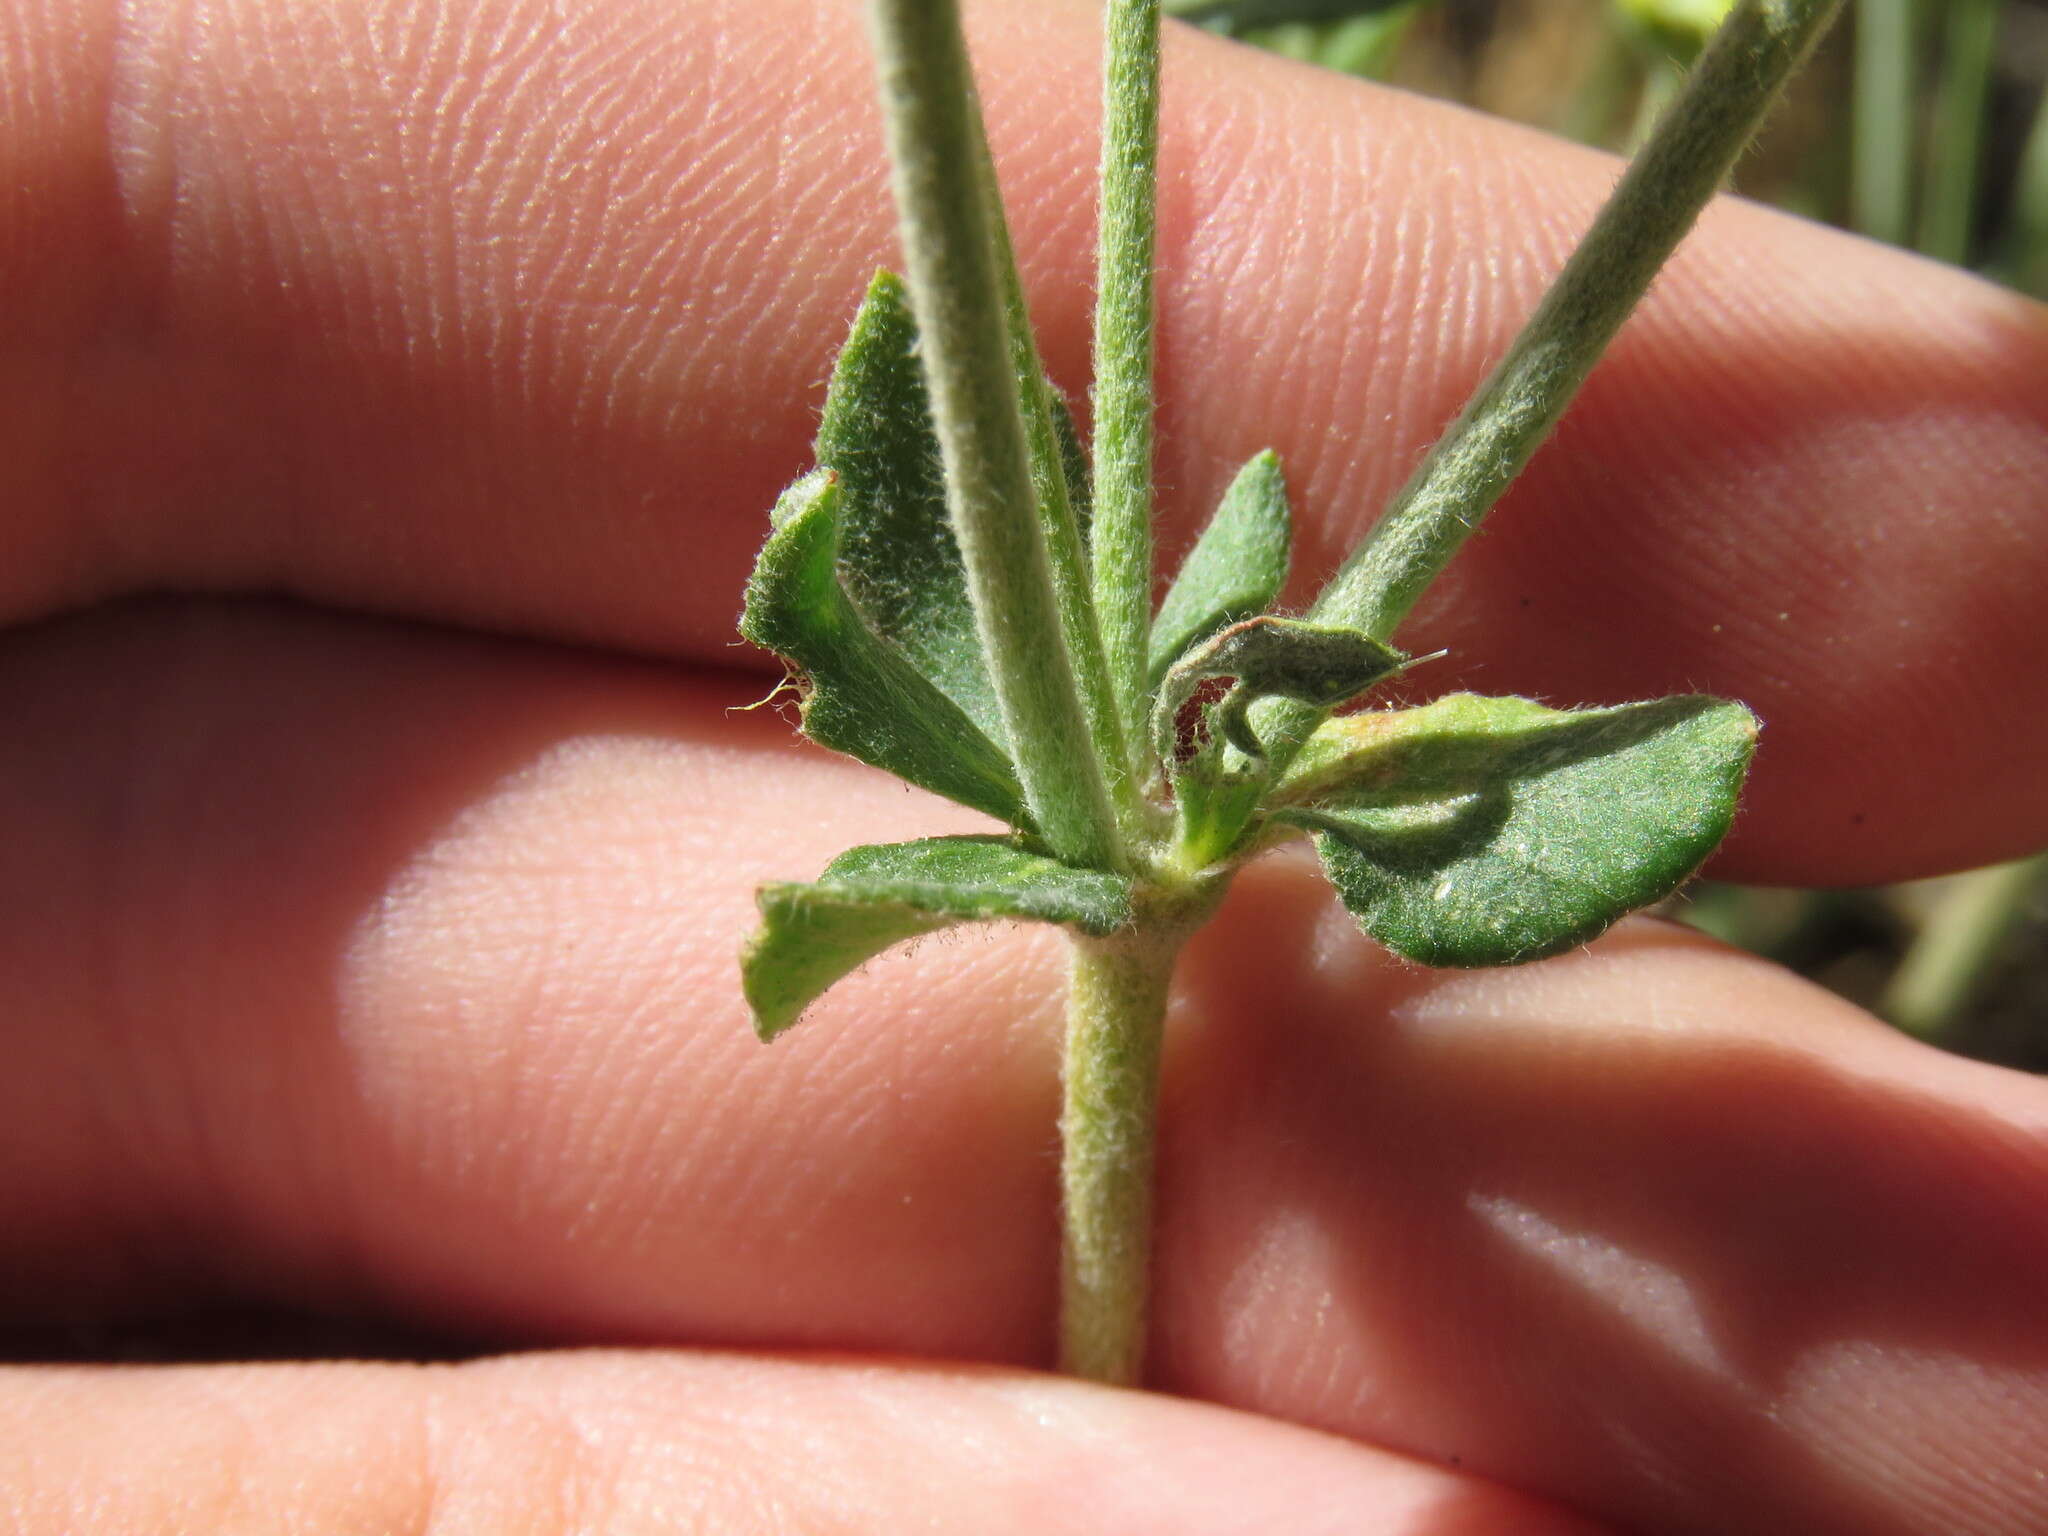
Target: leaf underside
<point x="876" y="896"/>
<point x="897" y="555"/>
<point x="862" y="695"/>
<point x="1489" y="831"/>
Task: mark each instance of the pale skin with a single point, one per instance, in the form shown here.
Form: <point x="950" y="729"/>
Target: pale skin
<point x="369" y="947"/>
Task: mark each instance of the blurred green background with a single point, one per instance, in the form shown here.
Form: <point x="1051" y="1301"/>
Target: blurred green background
<point x="1920" y="123"/>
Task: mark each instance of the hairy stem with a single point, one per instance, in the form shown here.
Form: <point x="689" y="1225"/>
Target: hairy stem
<point x="1123" y="349"/>
<point x="1696" y="144"/>
<point x="1064" y="550"/>
<point x="936" y="149"/>
<point x="1881" y="174"/>
<point x="1116" y="1013"/>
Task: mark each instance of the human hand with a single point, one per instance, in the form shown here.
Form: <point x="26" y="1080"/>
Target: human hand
<point x="375" y="887"/>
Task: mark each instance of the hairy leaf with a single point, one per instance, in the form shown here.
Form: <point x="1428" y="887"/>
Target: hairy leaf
<point x="861" y="695"/>
<point x="897" y="554"/>
<point x="873" y="897"/>
<point x="1235" y="569"/>
<point x="1489" y="831"/>
<point x="808" y="940"/>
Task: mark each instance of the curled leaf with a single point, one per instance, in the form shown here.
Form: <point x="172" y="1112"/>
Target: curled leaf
<point x="861" y="695"/>
<point x="1489" y="831"/>
<point x="1235" y="569"/>
<point x="878" y="895"/>
<point x="1319" y="664"/>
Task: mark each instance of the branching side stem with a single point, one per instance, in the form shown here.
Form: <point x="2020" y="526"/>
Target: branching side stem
<point x="1944" y="969"/>
<point x="1695" y="146"/>
<point x="1062" y="530"/>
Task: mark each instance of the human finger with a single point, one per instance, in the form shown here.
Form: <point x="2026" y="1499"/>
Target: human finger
<point x="378" y="969"/>
<point x="633" y="1443"/>
<point x="518" y="318"/>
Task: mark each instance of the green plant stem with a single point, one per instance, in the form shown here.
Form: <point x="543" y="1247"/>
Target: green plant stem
<point x="1062" y="530"/>
<point x="1696" y="144"/>
<point x="936" y="148"/>
<point x="1941" y="971"/>
<point x="2028" y="260"/>
<point x="1685" y="161"/>
<point x="1116" y="1014"/>
<point x="1886" y="102"/>
<point x="1949" y="210"/>
<point x="1123" y="349"/>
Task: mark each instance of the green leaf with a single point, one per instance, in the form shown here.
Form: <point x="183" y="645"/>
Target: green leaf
<point x="1489" y="831"/>
<point x="1213" y="806"/>
<point x="978" y="877"/>
<point x="876" y="896"/>
<point x="897" y="555"/>
<point x="861" y="695"/>
<point x="808" y="940"/>
<point x="1319" y="664"/>
<point x="1235" y="569"/>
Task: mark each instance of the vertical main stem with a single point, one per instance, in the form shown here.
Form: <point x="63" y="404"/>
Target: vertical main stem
<point x="937" y="153"/>
<point x="1123" y="350"/>
<point x="1063" y="545"/>
<point x="1116" y="1014"/>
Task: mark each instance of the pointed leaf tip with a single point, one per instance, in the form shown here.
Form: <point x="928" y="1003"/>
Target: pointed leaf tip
<point x="1235" y="569"/>
<point x="876" y="896"/>
<point x="862" y="697"/>
<point x="807" y="941"/>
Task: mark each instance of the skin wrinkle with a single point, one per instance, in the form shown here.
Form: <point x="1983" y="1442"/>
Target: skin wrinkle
<point x="1793" y="1220"/>
<point x="830" y="1110"/>
<point x="716" y="1119"/>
